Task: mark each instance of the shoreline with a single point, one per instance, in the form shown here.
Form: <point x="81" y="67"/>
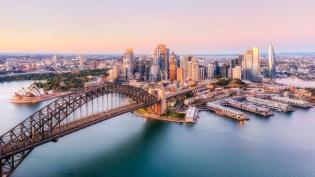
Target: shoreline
<point x="167" y="119"/>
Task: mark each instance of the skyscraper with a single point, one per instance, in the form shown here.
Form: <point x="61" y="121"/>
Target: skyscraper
<point x="173" y="70"/>
<point x="154" y="70"/>
<point x="237" y="72"/>
<point x="256" y="65"/>
<point x="180" y="74"/>
<point x="194" y="69"/>
<point x="201" y="73"/>
<point x="146" y="76"/>
<point x="210" y="71"/>
<point x="113" y="74"/>
<point x="81" y="61"/>
<point x="184" y="65"/>
<point x="230" y="70"/>
<point x="128" y="62"/>
<point x="217" y="70"/>
<point x="251" y="65"/>
<point x="139" y="67"/>
<point x="271" y="62"/>
<point x="224" y="71"/>
<point x="189" y="70"/>
<point x="247" y="65"/>
<point x="161" y="58"/>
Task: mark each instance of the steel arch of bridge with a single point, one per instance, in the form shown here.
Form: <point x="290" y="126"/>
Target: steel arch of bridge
<point x="46" y="124"/>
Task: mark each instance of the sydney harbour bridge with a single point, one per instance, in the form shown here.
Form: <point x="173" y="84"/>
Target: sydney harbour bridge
<point x="68" y="114"/>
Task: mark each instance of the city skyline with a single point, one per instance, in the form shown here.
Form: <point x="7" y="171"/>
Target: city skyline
<point x="108" y="27"/>
<point x="150" y="88"/>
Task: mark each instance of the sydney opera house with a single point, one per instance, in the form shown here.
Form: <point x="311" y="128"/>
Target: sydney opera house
<point x="31" y="91"/>
<point x="33" y="94"/>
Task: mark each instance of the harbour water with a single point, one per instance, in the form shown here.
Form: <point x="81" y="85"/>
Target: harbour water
<point x="282" y="145"/>
<point x="293" y="81"/>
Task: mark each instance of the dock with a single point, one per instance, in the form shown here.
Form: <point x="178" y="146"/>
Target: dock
<point x="221" y="110"/>
<point x="277" y="106"/>
<point x="248" y="107"/>
<point x="293" y="102"/>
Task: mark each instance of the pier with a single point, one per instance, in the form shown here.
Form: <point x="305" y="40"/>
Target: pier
<point x="293" y="102"/>
<point x="191" y="115"/>
<point x="221" y="110"/>
<point x="282" y="107"/>
<point x="248" y="107"/>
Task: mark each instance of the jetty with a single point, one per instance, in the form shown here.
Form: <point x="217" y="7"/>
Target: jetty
<point x="224" y="111"/>
<point x="247" y="107"/>
<point x="293" y="102"/>
<point x="282" y="107"/>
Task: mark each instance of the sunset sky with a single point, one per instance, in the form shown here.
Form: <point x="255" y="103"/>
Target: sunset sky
<point x="185" y="26"/>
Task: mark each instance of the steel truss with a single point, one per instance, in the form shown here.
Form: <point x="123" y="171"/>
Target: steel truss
<point x="48" y="123"/>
